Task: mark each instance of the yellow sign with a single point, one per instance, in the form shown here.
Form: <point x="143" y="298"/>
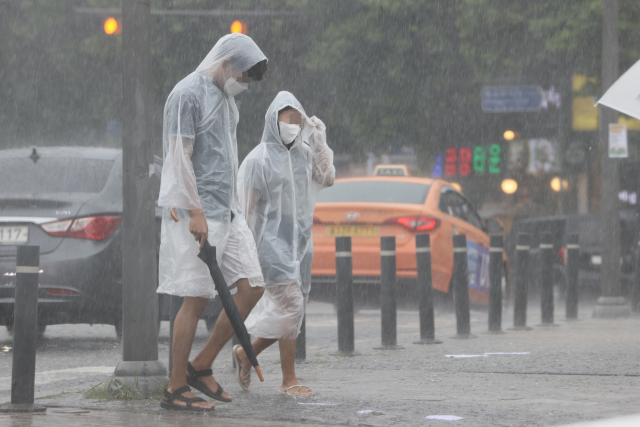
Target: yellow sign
<point x="352" y="230"/>
<point x="585" y="114"/>
<point x="632" y="124"/>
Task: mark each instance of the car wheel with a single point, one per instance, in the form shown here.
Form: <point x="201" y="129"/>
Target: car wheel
<point x="39" y="331"/>
<point x="118" y="326"/>
<point x="211" y="322"/>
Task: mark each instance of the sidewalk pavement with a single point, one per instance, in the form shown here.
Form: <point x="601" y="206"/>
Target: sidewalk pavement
<point x="549" y="376"/>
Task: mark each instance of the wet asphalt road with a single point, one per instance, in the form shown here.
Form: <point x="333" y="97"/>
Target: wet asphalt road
<point x="577" y="371"/>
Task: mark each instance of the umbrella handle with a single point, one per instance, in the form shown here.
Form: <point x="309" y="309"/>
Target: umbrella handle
<point x="173" y="214"/>
<point x="259" y="372"/>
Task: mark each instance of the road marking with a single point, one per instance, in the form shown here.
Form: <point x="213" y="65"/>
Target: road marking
<point x="387" y="253"/>
<point x="522" y="247"/>
<point x="422" y="250"/>
<point x="46" y="377"/>
<point x="546" y="246"/>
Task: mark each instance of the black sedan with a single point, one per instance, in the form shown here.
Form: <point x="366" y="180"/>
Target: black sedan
<point x="68" y="201"/>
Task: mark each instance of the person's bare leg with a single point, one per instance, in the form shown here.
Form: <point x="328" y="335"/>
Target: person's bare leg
<point x="246" y="298"/>
<point x="184" y="329"/>
<point x="288" y="362"/>
<point x="259" y="345"/>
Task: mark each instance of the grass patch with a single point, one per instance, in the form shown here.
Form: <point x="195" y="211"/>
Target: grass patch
<point x="102" y="391"/>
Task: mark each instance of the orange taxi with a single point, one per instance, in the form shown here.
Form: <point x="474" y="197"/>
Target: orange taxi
<point x="369" y="207"/>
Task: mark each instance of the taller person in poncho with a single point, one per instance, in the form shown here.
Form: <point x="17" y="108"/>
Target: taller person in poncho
<point x="199" y="187"/>
<point x="278" y="185"/>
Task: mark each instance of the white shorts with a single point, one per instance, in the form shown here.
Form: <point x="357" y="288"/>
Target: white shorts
<point x="182" y="273"/>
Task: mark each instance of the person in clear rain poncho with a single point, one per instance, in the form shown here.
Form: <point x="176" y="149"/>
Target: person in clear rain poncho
<point x="278" y="184"/>
<point x="198" y="196"/>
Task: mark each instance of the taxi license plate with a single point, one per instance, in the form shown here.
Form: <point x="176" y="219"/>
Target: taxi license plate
<point x="352" y="230"/>
<point x="13" y="234"/>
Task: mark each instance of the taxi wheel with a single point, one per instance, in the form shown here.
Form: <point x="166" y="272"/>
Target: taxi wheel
<point x="506" y="289"/>
<point x="356" y="307"/>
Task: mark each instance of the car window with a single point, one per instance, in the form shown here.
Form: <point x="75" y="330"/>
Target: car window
<point x="452" y="203"/>
<point x="375" y="192"/>
<point x="54" y="175"/>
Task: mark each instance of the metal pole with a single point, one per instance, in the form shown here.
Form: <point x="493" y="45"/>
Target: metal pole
<point x="388" y="293"/>
<point x="495" y="284"/>
<point x="425" y="290"/>
<point x="461" y="287"/>
<point x="610" y="303"/>
<point x="546" y="275"/>
<point x="344" y="297"/>
<point x="301" y="341"/>
<point x="521" y="283"/>
<point x="25" y="332"/>
<point x="140" y="370"/>
<point x="573" y="262"/>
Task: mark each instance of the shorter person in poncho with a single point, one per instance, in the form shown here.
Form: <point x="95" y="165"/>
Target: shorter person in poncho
<point x="278" y="185"/>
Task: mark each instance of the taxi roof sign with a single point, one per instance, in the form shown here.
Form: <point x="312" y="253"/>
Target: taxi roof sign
<point x="391" y="170"/>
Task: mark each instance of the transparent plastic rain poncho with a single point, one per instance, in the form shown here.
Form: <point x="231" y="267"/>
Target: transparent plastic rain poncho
<point x="201" y="164"/>
<point x="277" y="191"/>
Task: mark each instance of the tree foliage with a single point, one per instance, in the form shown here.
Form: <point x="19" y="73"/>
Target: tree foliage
<point x="380" y="73"/>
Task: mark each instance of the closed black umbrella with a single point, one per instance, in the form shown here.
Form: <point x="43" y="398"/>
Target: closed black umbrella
<point x="208" y="255"/>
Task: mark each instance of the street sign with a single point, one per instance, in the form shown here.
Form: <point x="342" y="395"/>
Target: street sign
<point x="510" y="99"/>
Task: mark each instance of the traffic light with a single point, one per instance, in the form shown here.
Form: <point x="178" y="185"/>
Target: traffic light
<point x="112" y="26"/>
<point x="239" y="27"/>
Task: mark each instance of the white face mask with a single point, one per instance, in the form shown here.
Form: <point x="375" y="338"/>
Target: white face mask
<point x="288" y="132"/>
<point x="232" y="87"/>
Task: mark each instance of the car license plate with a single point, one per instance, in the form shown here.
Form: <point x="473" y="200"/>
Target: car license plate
<point x="13" y="234"/>
<point x="352" y="230"/>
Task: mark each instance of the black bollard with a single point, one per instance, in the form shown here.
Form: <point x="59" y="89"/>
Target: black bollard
<point x="425" y="290"/>
<point x="521" y="283"/>
<point x="573" y="262"/>
<point x="175" y="303"/>
<point x="388" y="293"/>
<point x="301" y="341"/>
<point x="25" y="332"/>
<point x="461" y="287"/>
<point x="546" y="276"/>
<point x="495" y="284"/>
<point x="344" y="297"/>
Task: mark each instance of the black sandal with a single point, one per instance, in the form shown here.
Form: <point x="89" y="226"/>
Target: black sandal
<point x="167" y="402"/>
<point x="193" y="381"/>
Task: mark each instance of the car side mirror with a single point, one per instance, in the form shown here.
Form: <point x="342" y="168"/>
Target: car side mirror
<point x="493" y="226"/>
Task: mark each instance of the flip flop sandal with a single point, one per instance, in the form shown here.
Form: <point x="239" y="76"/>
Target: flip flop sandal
<point x="192" y="380"/>
<point x="167" y="402"/>
<point x="300" y="386"/>
<point x="239" y="368"/>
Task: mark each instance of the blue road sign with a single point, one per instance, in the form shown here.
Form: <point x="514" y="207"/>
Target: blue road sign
<point x="510" y="99"/>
